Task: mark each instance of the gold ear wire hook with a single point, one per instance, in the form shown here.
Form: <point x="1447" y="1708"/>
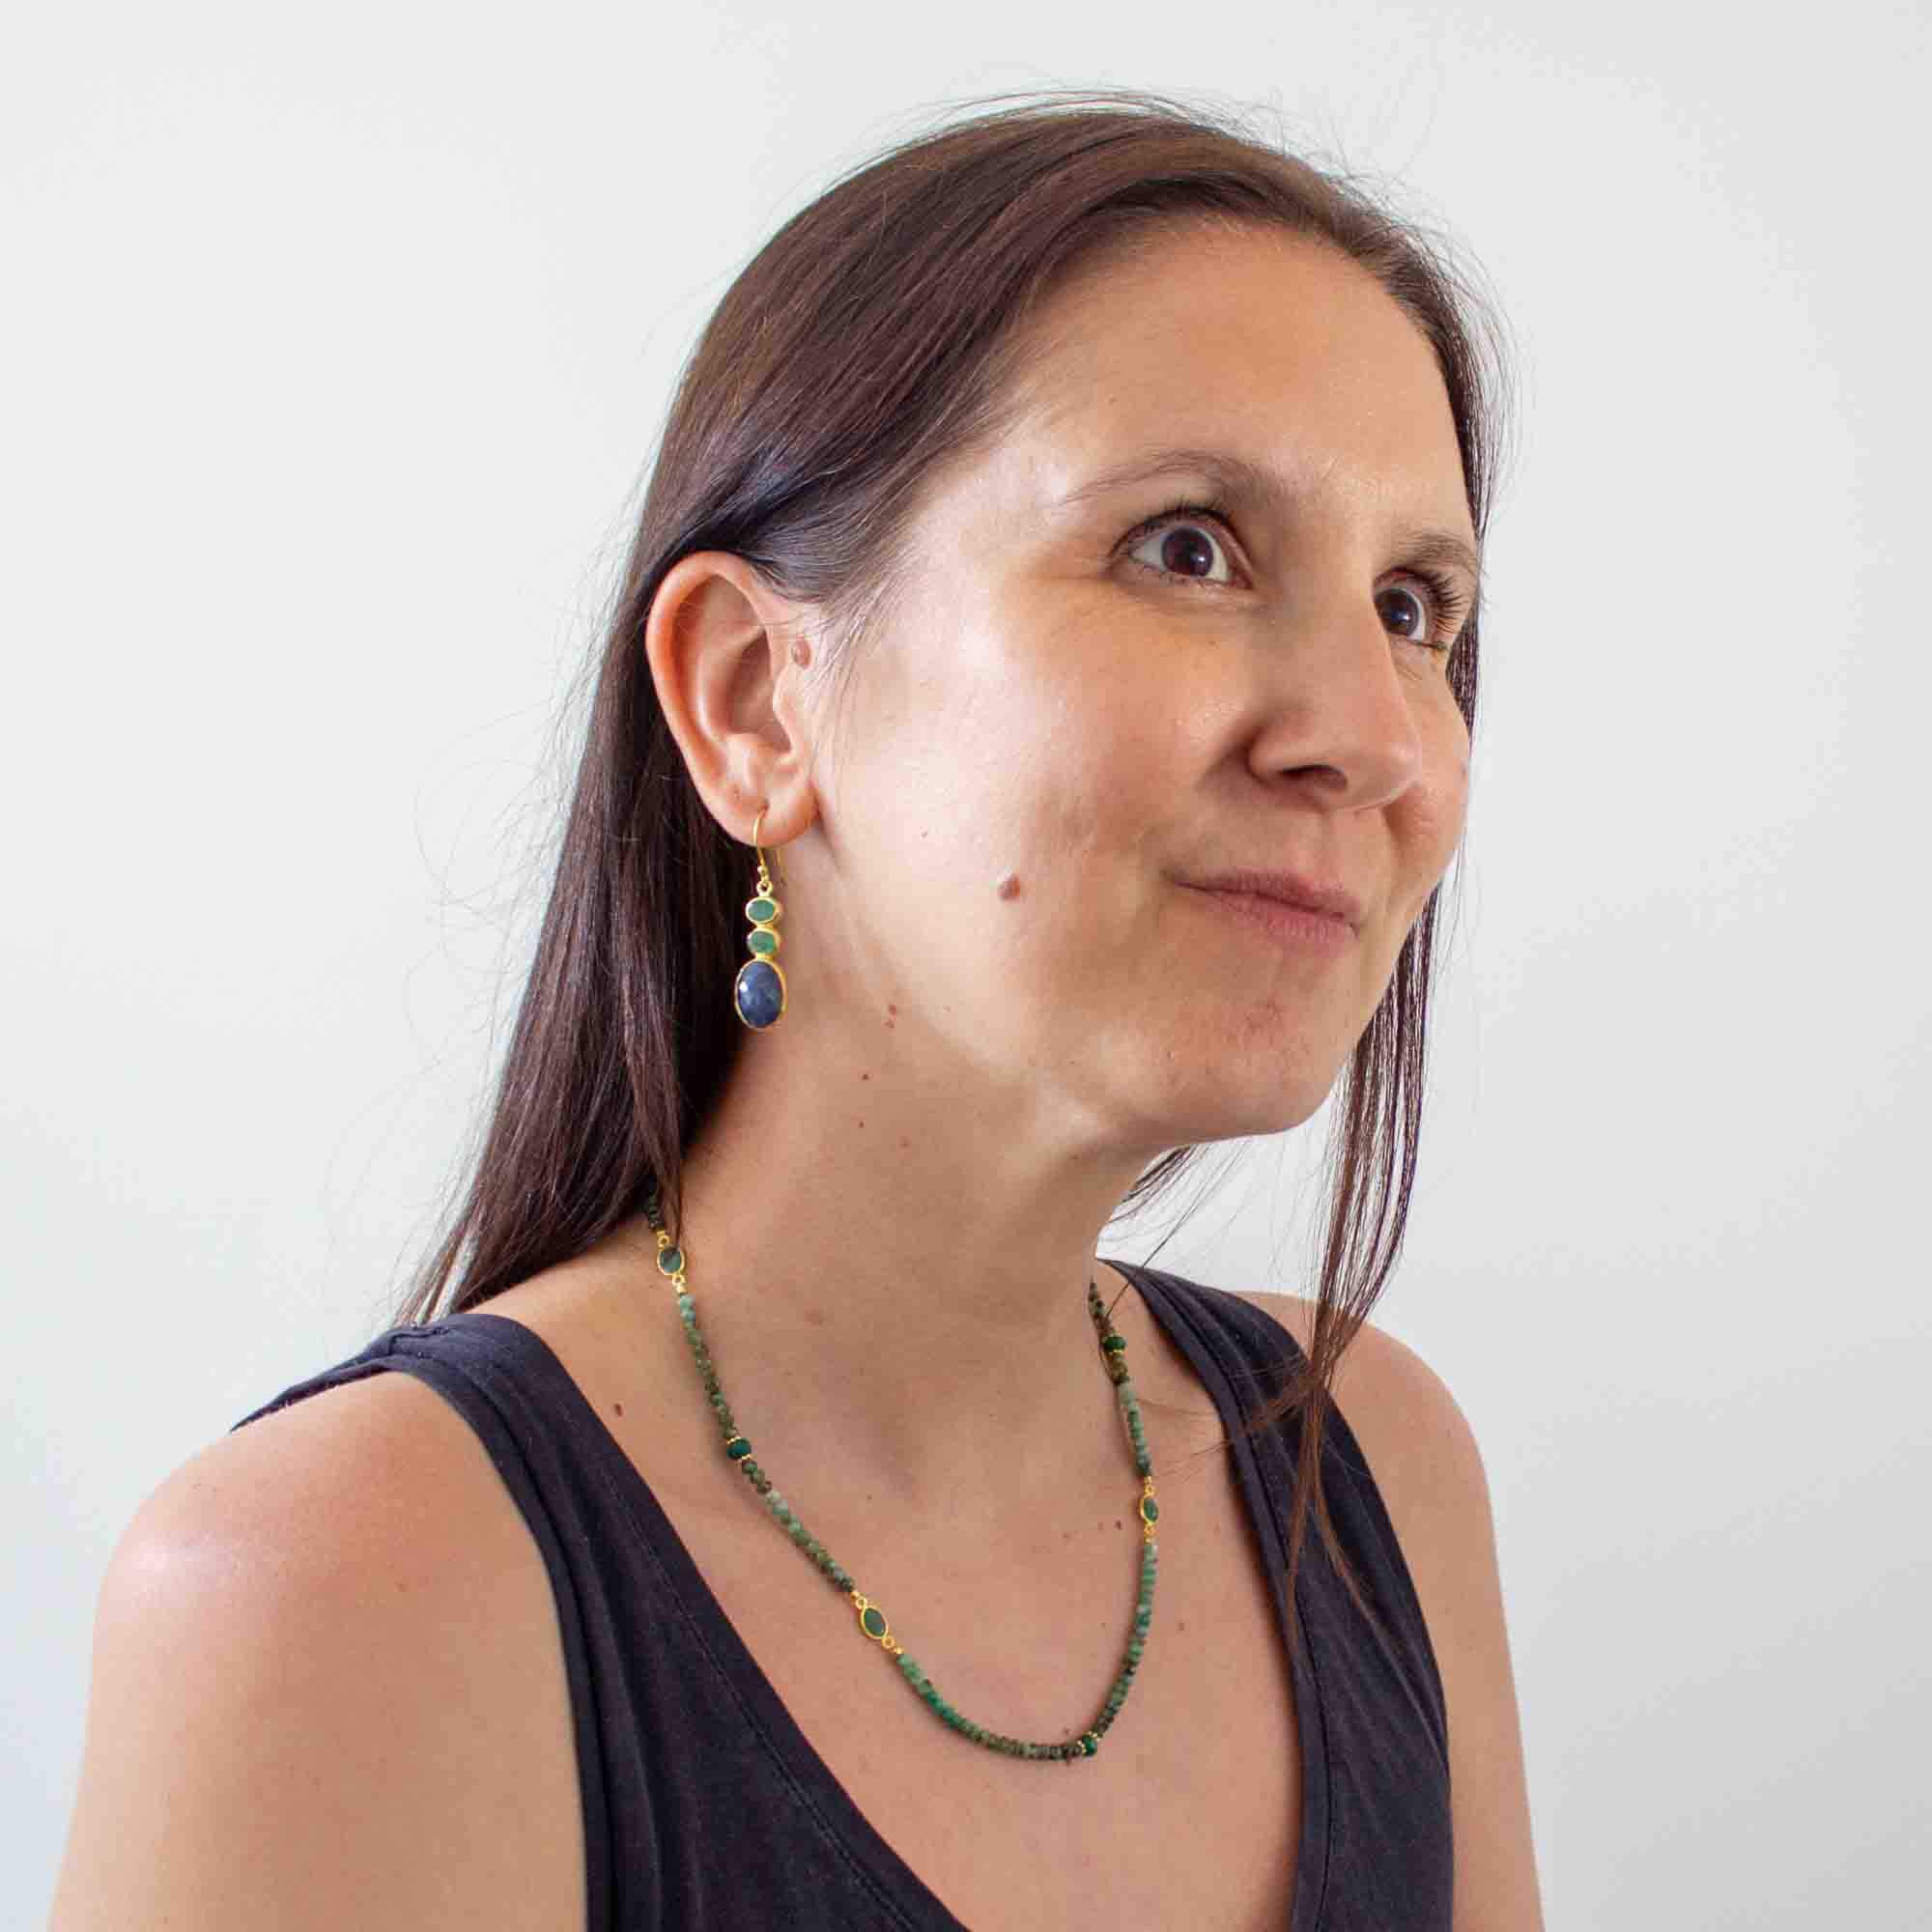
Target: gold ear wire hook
<point x="770" y="865"/>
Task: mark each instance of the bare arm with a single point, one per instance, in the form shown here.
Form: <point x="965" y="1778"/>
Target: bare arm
<point x="1426" y="1464"/>
<point x="328" y="1691"/>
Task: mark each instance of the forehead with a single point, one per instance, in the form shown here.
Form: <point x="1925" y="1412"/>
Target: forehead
<point x="1269" y="345"/>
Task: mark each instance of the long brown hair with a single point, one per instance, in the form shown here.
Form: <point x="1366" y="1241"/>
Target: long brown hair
<point x="866" y="343"/>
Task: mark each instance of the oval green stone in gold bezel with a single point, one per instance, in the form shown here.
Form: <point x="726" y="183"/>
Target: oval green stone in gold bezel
<point x="762" y="911"/>
<point x="762" y="940"/>
<point x="872" y="1621"/>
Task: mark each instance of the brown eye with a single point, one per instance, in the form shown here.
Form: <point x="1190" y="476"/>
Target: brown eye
<point x="1181" y="548"/>
<point x="1430" y="616"/>
<point x="1403" y="606"/>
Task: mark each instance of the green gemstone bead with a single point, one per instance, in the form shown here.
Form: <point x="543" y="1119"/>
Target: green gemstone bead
<point x="669" y="1260"/>
<point x="763" y="941"/>
<point x="762" y="910"/>
<point x="739" y="1450"/>
<point x="1149" y="1510"/>
<point x="874" y="1621"/>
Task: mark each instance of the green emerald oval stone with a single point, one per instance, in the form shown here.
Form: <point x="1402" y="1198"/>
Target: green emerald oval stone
<point x="669" y="1260"/>
<point x="875" y="1622"/>
<point x="762" y="940"/>
<point x="739" y="1450"/>
<point x="1150" y="1509"/>
<point x="759" y="910"/>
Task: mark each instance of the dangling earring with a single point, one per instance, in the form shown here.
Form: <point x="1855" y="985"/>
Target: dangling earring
<point x="759" y="992"/>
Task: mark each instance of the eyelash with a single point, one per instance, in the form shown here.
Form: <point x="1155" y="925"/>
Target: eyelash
<point x="1450" y="599"/>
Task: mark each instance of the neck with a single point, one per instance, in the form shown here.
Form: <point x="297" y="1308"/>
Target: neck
<point x="892" y="1285"/>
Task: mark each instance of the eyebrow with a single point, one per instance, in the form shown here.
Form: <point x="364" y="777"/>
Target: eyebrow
<point x="1242" y="480"/>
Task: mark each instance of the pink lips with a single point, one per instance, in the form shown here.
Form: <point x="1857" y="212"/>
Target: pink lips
<point x="1291" y="891"/>
<point x="1293" y="925"/>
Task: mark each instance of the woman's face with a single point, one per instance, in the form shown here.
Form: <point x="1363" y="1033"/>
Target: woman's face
<point x="1088" y="697"/>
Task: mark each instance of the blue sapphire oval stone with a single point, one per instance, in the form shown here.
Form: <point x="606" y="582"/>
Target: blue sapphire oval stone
<point x="759" y="992"/>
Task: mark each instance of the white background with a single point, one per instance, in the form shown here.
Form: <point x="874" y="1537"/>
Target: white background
<point x="333" y="350"/>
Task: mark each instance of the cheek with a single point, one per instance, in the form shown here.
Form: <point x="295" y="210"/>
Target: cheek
<point x="1432" y="812"/>
<point x="1068" y="735"/>
<point x="993" y="809"/>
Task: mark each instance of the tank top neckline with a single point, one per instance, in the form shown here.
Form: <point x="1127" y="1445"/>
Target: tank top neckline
<point x="811" y="1779"/>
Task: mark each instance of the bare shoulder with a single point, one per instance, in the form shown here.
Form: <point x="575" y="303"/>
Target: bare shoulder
<point x="1418" y="1442"/>
<point x="317" y="1644"/>
<point x="1429" y="1470"/>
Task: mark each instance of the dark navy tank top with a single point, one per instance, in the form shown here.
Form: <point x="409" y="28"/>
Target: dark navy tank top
<point x="706" y="1809"/>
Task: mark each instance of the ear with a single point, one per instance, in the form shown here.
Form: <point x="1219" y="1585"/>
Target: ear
<point x="719" y="643"/>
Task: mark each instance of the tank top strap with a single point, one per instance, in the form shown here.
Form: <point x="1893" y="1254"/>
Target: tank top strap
<point x="1368" y="1690"/>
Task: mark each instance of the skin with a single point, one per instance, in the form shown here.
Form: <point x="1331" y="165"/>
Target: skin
<point x="1004" y="1005"/>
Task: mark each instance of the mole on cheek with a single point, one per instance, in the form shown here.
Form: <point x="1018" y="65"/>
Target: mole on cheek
<point x="1009" y="886"/>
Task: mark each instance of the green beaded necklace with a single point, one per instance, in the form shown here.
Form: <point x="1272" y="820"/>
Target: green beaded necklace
<point x="872" y="1622"/>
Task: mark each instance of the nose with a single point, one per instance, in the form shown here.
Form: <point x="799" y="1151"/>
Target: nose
<point x="1342" y="724"/>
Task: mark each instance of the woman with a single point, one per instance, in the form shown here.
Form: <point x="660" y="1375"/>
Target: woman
<point x="1053" y="625"/>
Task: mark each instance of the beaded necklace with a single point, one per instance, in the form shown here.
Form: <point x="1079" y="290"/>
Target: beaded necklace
<point x="872" y="1623"/>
